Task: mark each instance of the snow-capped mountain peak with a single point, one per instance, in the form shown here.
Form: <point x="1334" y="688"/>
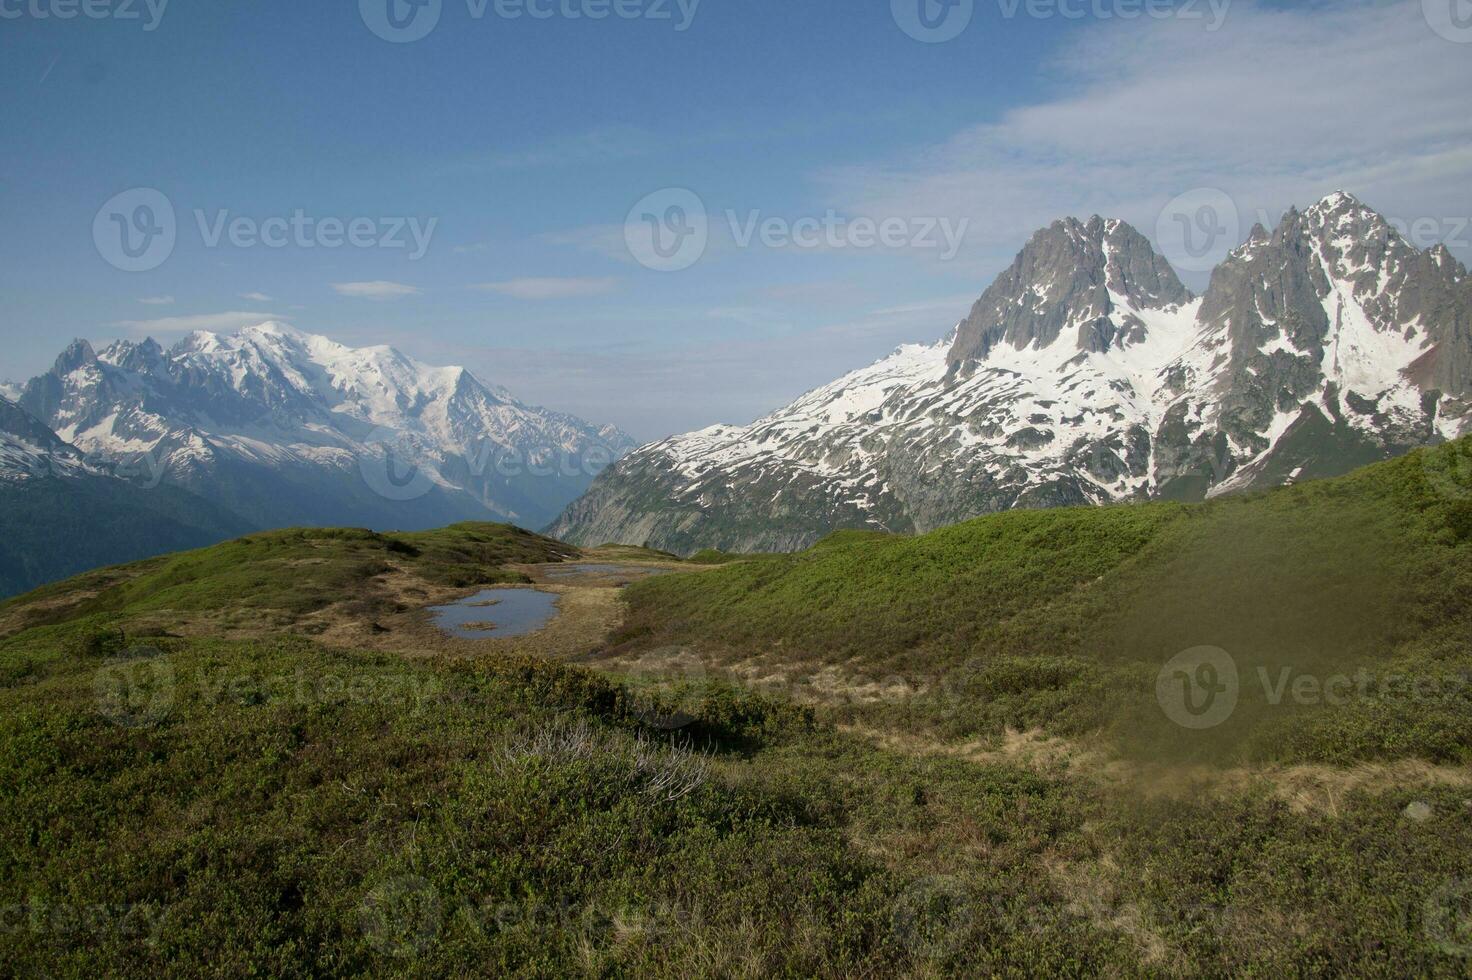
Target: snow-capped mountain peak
<point x="31" y="451"/>
<point x="1088" y="373"/>
<point x="1084" y="282"/>
<point x="300" y="405"/>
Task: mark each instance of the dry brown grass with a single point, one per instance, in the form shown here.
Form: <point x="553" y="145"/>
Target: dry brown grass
<point x="1305" y="788"/>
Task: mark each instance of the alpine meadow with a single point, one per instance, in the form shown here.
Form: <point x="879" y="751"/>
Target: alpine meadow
<point x="448" y="526"/>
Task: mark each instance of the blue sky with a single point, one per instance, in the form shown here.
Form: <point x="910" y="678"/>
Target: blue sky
<point x="527" y="142"/>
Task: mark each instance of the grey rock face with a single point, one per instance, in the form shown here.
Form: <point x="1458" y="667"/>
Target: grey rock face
<point x="31" y="451"/>
<point x="1063" y="279"/>
<point x="1086" y="374"/>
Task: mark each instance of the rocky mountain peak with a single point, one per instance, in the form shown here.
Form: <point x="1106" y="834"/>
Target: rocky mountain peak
<point x="140" y="358"/>
<point x="282" y="424"/>
<point x="1068" y="278"/>
<point x="30" y="450"/>
<point x="1086" y="373"/>
<point x="78" y="353"/>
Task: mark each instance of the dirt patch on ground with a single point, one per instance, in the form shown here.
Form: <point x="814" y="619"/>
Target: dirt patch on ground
<point x="1305" y="788"/>
<point x="1032" y="750"/>
<point x="38" y="611"/>
<point x="390" y="613"/>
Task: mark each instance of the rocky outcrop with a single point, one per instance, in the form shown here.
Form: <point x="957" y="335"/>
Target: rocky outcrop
<point x="1087" y="374"/>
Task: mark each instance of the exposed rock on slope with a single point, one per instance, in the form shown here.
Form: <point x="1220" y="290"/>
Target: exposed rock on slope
<point x="1087" y="373"/>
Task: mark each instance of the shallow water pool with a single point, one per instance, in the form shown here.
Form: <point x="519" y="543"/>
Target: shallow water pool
<point x="514" y="612"/>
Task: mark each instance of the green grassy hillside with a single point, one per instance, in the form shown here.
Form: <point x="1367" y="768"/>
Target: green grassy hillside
<point x="50" y="529"/>
<point x="958" y="763"/>
<point x="1063" y="619"/>
<point x="275" y="579"/>
<point x="277" y="808"/>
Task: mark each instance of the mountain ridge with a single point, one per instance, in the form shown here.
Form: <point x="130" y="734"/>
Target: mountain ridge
<point x="63" y="511"/>
<point x="289" y="428"/>
<point x="1087" y="374"/>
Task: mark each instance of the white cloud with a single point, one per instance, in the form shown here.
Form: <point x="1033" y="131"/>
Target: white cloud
<point x="256" y="297"/>
<point x="549" y="288"/>
<point x="157" y="300"/>
<point x="377" y="290"/>
<point x="1278" y="107"/>
<point x="606" y="240"/>
<point x="213" y="322"/>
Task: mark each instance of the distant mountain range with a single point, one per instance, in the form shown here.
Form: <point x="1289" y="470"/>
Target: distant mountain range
<point x="62" y="512"/>
<point x="1087" y="373"/>
<point x="272" y="427"/>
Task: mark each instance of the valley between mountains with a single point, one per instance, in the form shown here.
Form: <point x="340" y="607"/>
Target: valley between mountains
<point x="265" y="428"/>
<point x="884" y="755"/>
<point x="1123" y="633"/>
